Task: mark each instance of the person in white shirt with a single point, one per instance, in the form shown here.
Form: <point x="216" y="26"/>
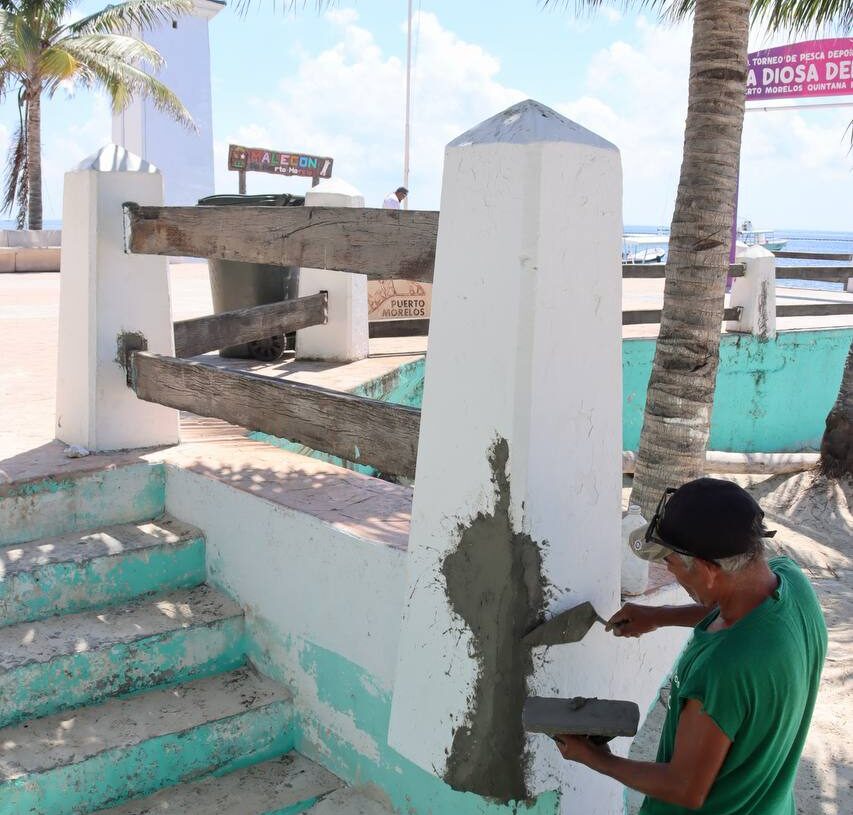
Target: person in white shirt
<point x="393" y="199"/>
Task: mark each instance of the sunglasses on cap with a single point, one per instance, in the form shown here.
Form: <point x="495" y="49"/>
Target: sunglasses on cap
<point x="652" y="536"/>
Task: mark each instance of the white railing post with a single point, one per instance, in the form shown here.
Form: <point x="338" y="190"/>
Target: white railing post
<point x="755" y="293"/>
<point x="344" y="338"/>
<point x="105" y="295"/>
<point x="517" y="494"/>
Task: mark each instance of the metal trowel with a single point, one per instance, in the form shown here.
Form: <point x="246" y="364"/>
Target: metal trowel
<point x="568" y="626"/>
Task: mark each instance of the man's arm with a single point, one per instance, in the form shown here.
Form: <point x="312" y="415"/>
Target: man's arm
<point x="633" y="620"/>
<point x="700" y="749"/>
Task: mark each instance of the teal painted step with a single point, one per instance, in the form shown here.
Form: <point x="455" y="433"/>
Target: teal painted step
<point x="285" y="786"/>
<point x="82" y="571"/>
<point x="70" y="660"/>
<point x="99" y="756"/>
<point x="64" y="504"/>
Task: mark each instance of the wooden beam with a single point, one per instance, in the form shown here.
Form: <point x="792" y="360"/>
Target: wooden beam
<point x="843" y="257"/>
<point x="366" y="431"/>
<point x="214" y="331"/>
<point x="651" y="316"/>
<point x="398" y="328"/>
<point x="651" y="270"/>
<point x="815" y="310"/>
<point x="829" y="274"/>
<point x="381" y="243"/>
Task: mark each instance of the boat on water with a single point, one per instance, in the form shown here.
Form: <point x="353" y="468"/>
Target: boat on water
<point x="765" y="238"/>
<point x="644" y="248"/>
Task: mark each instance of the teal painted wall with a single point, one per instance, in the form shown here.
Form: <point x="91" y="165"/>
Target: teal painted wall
<point x="771" y="396"/>
<point x="326" y="687"/>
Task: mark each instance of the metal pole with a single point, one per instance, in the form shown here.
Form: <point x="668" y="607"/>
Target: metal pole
<point x="241" y="182"/>
<point x="408" y="106"/>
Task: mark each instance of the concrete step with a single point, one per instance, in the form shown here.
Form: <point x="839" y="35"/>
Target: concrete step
<point x="83" y="571"/>
<point x="70" y="660"/>
<point x="348" y="801"/>
<point x="84" y="494"/>
<point x="99" y="756"/>
<point x="290" y="784"/>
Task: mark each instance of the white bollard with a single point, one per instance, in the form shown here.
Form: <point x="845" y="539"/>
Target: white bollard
<point x="755" y="293"/>
<point x="104" y="294"/>
<point x="849" y="286"/>
<point x="345" y="337"/>
<point x="517" y="496"/>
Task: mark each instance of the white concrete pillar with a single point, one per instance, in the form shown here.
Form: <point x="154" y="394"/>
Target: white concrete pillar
<point x="517" y="495"/>
<point x="344" y="338"/>
<point x="105" y="293"/>
<point x="755" y="293"/>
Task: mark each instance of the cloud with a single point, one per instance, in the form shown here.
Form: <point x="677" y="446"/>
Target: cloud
<point x="636" y="97"/>
<point x="321" y="109"/>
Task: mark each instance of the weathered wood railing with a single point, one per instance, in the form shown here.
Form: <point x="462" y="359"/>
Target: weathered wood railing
<point x="380" y="243"/>
<point x="365" y="431"/>
<point x="215" y="331"/>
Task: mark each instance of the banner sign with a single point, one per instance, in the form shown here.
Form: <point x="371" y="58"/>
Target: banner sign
<point x="398" y="300"/>
<point x="801" y="70"/>
<point x="261" y="160"/>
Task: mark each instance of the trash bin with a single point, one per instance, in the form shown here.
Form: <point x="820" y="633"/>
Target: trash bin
<point x="235" y="284"/>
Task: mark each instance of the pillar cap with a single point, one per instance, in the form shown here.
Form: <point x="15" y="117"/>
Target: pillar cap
<point x="530" y="122"/>
<point x="114" y="159"/>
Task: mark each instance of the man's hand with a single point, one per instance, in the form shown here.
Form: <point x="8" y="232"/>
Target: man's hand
<point x="579" y="748"/>
<point x="632" y="620"/>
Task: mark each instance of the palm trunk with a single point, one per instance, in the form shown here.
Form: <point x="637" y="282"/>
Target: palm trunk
<point x="681" y="389"/>
<point x="34" y="203"/>
<point x="836" y="449"/>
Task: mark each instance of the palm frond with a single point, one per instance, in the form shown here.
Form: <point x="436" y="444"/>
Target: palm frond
<point x="802" y="16"/>
<point x="131" y="15"/>
<point x="242" y="6"/>
<point x="16" y="188"/>
<point x="121" y="47"/>
<point x="124" y="82"/>
<point x="795" y="16"/>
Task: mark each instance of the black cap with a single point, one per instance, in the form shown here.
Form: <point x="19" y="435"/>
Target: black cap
<point x="710" y="518"/>
<point x="707" y="518"/>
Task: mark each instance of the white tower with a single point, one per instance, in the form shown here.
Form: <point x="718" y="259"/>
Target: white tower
<point x="184" y="157"/>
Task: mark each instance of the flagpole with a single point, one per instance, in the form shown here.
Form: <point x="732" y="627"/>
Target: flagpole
<point x="408" y="107"/>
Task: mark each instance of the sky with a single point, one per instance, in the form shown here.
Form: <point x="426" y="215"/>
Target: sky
<point x="332" y="83"/>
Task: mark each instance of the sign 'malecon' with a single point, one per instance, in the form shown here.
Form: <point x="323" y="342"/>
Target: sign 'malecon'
<point x="261" y="160"/>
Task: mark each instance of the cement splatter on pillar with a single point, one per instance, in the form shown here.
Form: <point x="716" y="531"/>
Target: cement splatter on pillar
<point x="494" y="583"/>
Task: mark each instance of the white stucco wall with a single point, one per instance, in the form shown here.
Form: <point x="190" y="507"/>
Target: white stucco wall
<point x="312" y="580"/>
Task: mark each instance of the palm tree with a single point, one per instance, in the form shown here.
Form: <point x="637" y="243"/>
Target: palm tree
<point x="680" y="395"/>
<point x="836" y="448"/>
<point x="40" y="49"/>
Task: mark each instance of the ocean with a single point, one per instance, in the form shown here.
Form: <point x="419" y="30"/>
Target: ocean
<point x="798" y="240"/>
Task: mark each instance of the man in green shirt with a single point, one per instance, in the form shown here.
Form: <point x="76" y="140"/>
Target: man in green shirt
<point x="744" y="688"/>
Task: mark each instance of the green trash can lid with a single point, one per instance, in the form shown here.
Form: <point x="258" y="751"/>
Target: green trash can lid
<point x="283" y="199"/>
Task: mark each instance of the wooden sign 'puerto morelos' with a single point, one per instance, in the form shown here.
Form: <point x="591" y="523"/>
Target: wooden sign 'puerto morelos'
<point x="261" y="160"/>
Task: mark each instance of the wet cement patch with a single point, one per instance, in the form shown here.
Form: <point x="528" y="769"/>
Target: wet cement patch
<point x="494" y="583"/>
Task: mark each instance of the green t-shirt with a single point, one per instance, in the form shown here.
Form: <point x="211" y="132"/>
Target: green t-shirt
<point x="758" y="681"/>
